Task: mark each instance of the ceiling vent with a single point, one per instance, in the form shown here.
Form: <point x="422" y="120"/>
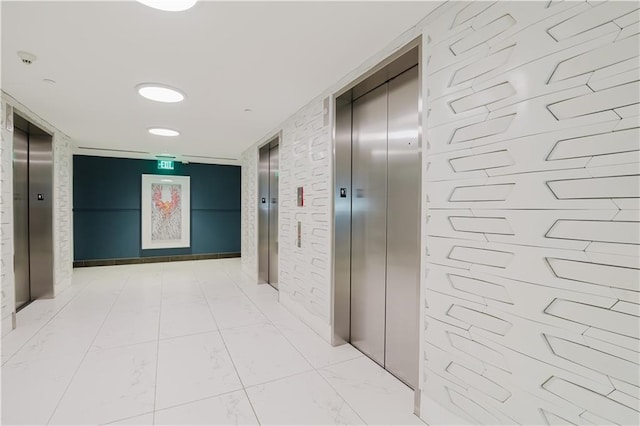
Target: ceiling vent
<point x="26" y="57"/>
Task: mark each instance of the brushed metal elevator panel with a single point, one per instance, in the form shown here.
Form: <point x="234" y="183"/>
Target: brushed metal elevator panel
<point x="263" y="215"/>
<point x="21" y="217"/>
<point x="403" y="228"/>
<point x="368" y="223"/>
<point x="342" y="224"/>
<point x="385" y="224"/>
<point x="273" y="215"/>
<point x="41" y="214"/>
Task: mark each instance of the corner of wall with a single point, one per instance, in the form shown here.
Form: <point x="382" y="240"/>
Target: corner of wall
<point x="249" y="224"/>
<point x="6" y="221"/>
<point x="63" y="216"/>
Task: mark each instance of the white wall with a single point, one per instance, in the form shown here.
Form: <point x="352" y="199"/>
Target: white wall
<point x="249" y="217"/>
<point x="62" y="215"/>
<point x="532" y="238"/>
<point x="531" y="281"/>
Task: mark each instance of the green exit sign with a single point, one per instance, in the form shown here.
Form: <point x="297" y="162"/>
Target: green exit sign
<point x="165" y="165"/>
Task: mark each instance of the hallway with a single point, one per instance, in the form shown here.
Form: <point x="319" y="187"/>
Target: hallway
<point x="184" y="343"/>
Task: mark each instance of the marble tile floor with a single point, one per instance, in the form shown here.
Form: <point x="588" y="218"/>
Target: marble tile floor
<point x="184" y="343"/>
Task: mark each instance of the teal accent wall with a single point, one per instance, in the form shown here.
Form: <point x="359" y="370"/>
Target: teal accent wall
<point x="107" y="213"/>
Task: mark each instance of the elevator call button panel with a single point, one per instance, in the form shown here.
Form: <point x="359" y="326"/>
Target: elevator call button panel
<point x="300" y="196"/>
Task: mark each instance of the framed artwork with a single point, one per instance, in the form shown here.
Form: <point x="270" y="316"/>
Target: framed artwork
<point x="166" y="211"/>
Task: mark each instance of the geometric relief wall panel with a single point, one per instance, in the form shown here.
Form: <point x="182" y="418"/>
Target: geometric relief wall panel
<point x="304" y="272"/>
<point x="533" y="224"/>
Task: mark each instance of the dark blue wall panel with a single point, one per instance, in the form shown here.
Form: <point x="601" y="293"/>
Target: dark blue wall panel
<point x="106" y="208"/>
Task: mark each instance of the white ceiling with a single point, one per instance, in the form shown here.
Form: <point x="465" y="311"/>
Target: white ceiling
<point x="226" y="56"/>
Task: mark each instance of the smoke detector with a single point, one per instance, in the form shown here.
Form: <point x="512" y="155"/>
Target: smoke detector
<point x="26" y="57"/>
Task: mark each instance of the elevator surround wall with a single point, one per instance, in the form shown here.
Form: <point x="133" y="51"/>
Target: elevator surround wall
<point x="62" y="240"/>
<point x="530" y="277"/>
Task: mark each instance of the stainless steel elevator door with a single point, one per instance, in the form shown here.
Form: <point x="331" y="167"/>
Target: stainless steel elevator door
<point x="21" y="216"/>
<point x="263" y="215"/>
<point x="385" y="225"/>
<point x="41" y="215"/>
<point x="368" y="223"/>
<point x="273" y="215"/>
<point x="403" y="228"/>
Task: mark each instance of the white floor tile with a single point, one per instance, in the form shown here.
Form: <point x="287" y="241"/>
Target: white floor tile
<point x="265" y="298"/>
<point x="31" y="320"/>
<point x="110" y="384"/>
<point x="237" y="311"/>
<point x="51" y="369"/>
<point x="192" y="368"/>
<point x="219" y="288"/>
<point x="128" y="328"/>
<point x="229" y="409"/>
<point x="184" y="311"/>
<point x="304" y="399"/>
<point x="61" y="336"/>
<point x="377" y="396"/>
<point x="143" y="420"/>
<point x="31" y="389"/>
<point x="135" y="316"/>
<point x="262" y="354"/>
<point x="315" y="350"/>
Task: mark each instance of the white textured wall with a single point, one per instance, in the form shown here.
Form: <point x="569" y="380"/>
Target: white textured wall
<point x="531" y="277"/>
<point x="6" y="222"/>
<point x="249" y="217"/>
<point x="533" y="230"/>
<point x="62" y="215"/>
<point x="304" y="275"/>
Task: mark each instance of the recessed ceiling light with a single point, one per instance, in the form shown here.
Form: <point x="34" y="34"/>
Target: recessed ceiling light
<point x="159" y="92"/>
<point x="161" y="131"/>
<point x="169" y="5"/>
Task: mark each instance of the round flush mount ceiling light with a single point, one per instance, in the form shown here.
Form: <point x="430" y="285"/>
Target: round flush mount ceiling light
<point x="159" y="92"/>
<point x="169" y="5"/>
<point x="161" y="131"/>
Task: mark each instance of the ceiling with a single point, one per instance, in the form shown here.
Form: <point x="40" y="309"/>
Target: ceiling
<point x="270" y="57"/>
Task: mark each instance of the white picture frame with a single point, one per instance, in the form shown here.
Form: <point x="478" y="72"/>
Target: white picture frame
<point x="166" y="212"/>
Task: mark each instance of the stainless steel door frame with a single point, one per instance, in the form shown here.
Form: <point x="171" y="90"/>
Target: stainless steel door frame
<point x="263" y="215"/>
<point x="403" y="227"/>
<point x="21" y="217"/>
<point x="274" y="170"/>
<point x="368" y="223"/>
